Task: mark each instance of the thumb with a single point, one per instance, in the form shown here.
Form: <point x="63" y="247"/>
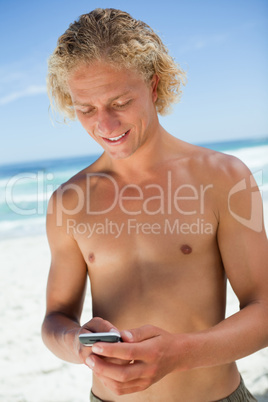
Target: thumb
<point x="97" y="324"/>
<point x="140" y="334"/>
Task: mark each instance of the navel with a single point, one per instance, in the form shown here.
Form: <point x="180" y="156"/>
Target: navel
<point x="91" y="257"/>
<point x="186" y="249"/>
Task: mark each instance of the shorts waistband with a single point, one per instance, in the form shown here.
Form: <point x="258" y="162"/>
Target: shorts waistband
<point x="241" y="394"/>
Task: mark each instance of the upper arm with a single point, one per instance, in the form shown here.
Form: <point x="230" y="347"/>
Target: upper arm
<point x="241" y="235"/>
<point x="68" y="271"/>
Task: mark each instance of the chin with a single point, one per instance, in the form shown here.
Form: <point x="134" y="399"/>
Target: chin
<point x="120" y="155"/>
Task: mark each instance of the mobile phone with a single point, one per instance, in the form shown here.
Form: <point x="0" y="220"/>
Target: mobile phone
<point x="91" y="338"/>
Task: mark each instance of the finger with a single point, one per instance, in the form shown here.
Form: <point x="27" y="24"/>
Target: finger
<point x="115" y="361"/>
<point x="97" y="324"/>
<point x="122" y="350"/>
<point x="119" y="373"/>
<point x="140" y="334"/>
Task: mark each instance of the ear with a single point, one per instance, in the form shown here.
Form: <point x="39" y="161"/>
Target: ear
<point x="154" y="85"/>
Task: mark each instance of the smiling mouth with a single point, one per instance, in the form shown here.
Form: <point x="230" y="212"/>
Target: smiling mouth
<point x="115" y="139"/>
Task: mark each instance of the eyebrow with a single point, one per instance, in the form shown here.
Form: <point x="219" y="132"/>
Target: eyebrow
<point x="109" y="100"/>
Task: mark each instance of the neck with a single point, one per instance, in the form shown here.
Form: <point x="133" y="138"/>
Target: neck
<point x="142" y="162"/>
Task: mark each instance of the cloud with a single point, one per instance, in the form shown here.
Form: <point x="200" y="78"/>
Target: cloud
<point x="31" y="90"/>
<point x="22" y="78"/>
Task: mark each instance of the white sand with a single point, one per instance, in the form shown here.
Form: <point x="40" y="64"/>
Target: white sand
<point x="29" y="372"/>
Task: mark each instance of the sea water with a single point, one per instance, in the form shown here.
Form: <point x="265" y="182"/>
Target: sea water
<point x="25" y="188"/>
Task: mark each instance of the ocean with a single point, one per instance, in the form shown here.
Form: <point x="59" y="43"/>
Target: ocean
<point x="25" y="188"/>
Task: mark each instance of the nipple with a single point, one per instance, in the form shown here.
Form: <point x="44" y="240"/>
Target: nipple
<point x="185" y="249"/>
<point x="91" y="257"/>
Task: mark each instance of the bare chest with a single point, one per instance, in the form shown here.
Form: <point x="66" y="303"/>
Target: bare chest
<point x="148" y="246"/>
<point x="160" y="220"/>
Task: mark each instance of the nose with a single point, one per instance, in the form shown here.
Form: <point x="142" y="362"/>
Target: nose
<point x="107" y="123"/>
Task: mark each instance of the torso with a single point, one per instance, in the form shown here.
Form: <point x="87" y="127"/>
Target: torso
<point x="155" y="260"/>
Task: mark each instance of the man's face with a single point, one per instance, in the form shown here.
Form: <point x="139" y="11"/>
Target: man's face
<point x="116" y="107"/>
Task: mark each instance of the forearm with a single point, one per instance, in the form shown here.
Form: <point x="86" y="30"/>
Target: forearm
<point x="60" y="335"/>
<point x="234" y="338"/>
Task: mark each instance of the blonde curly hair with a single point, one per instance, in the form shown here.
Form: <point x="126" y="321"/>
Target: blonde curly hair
<point x="114" y="36"/>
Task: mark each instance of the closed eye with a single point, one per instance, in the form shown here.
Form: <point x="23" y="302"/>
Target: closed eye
<point x="84" y="112"/>
<point x="122" y="106"/>
<point x="116" y="106"/>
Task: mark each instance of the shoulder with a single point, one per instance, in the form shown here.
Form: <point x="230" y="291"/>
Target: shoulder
<point x="74" y="189"/>
<point x="218" y="167"/>
<point x="221" y="173"/>
<point x="231" y="184"/>
<point x="70" y="196"/>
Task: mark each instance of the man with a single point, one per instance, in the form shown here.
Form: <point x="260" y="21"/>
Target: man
<point x="157" y="224"/>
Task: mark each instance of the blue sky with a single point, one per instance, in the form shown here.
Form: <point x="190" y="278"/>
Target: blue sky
<point x="222" y="44"/>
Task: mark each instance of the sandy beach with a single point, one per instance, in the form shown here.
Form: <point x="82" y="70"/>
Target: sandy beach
<point x="29" y="372"/>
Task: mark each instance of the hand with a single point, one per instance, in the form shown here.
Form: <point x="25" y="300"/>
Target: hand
<point x="149" y="352"/>
<point x="95" y="325"/>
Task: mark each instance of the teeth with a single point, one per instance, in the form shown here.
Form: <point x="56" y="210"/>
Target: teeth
<point x="117" y="138"/>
